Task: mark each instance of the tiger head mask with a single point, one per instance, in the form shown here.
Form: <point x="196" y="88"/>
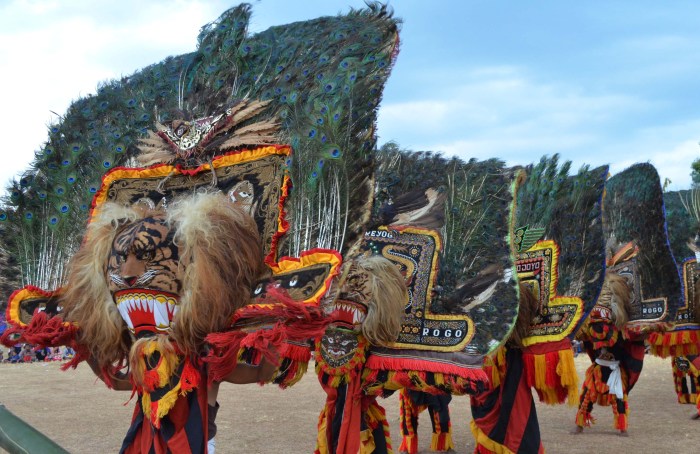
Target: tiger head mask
<point x="143" y="272"/>
<point x="367" y="299"/>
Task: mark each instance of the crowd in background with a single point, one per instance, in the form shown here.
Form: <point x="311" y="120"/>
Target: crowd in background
<point x="26" y="353"/>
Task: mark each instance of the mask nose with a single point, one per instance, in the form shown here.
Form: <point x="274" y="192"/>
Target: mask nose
<point x="132" y="268"/>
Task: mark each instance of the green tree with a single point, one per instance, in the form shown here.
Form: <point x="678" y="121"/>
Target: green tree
<point x="695" y="174"/>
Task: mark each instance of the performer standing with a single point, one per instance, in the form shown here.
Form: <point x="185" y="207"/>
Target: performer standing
<point x="505" y="417"/>
<point x="617" y="360"/>
<point x="412" y="404"/>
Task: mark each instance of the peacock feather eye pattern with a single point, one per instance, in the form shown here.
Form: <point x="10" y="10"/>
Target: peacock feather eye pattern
<point x="634" y="210"/>
<point x="300" y="67"/>
<point x="467" y="205"/>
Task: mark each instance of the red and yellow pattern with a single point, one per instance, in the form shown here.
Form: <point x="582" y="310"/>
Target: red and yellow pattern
<point x="310" y="258"/>
<point x="13" y="312"/>
<point x="546" y="253"/>
<point x="548" y="357"/>
<point x="159" y="172"/>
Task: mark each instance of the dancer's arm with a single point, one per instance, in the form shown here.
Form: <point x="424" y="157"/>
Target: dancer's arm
<point x="118" y="381"/>
<point x="245" y="373"/>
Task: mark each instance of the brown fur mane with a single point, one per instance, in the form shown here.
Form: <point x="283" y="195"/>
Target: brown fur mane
<point x="220" y="255"/>
<point x="527" y="308"/>
<point x="621" y="298"/>
<point x="389" y="296"/>
<point x="87" y="300"/>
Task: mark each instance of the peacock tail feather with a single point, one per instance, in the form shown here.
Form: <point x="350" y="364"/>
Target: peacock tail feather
<point x="682" y="210"/>
<point x="634" y="211"/>
<point x="553" y="204"/>
<point x="323" y="79"/>
<point x="471" y="211"/>
<point x="682" y="221"/>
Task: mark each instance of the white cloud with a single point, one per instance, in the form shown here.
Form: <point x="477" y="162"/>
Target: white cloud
<point x="504" y="112"/>
<point x="53" y="53"/>
<point x="671" y="149"/>
<point x="675" y="163"/>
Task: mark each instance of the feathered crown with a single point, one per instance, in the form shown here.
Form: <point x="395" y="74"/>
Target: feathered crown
<point x="324" y="79"/>
<point x="692" y="206"/>
<point x="683" y="224"/>
<point x="195" y="142"/>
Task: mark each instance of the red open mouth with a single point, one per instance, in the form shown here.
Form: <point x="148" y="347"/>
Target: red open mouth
<point x="146" y="309"/>
<point x="346" y="313"/>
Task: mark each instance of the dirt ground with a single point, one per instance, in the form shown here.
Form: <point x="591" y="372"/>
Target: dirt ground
<point x="83" y="416"/>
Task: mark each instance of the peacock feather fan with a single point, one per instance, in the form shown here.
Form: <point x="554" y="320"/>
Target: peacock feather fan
<point x="323" y="78"/>
<point x="634" y="212"/>
<point x="683" y="226"/>
<point x="469" y="205"/>
<point x="326" y="78"/>
<point x="561" y="214"/>
<point x="683" y="222"/>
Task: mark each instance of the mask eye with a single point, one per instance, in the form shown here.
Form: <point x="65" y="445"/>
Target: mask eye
<point x="258" y="290"/>
<point x="294" y="281"/>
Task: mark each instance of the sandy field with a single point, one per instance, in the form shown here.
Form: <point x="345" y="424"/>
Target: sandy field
<point x="83" y="416"/>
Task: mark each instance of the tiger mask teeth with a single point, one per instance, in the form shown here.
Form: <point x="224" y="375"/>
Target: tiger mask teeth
<point x="146" y="310"/>
<point x="347" y="313"/>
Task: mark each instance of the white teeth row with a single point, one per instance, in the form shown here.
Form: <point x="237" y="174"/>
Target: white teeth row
<point x="162" y="308"/>
<point x="357" y="314"/>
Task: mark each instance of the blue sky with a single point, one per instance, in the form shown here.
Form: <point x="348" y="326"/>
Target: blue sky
<point x="600" y="82"/>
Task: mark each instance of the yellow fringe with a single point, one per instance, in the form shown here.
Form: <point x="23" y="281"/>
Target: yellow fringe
<point x="168" y="362"/>
<point x="435" y="441"/>
<point x="167" y="365"/>
<point x="685" y="337"/>
<point x="496" y="364"/>
<point x="375" y="418"/>
<point x="679" y="344"/>
<point x="366" y="442"/>
<point x="301" y="370"/>
<point x="567" y="378"/>
<point x="321" y="442"/>
<point x="439" y="379"/>
<point x="168" y="401"/>
<point x="482" y="439"/>
<point x="165" y="404"/>
<point x="566" y="369"/>
<point x="540" y="372"/>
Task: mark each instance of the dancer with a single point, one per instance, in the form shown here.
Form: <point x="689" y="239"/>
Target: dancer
<point x="367" y="302"/>
<point x="412" y="404"/>
<point x="505" y="417"/>
<point x="617" y="360"/>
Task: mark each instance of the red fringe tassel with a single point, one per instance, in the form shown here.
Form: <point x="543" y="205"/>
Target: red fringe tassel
<point x="675" y="343"/>
<point x="295" y="322"/>
<point x="41" y="331"/>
